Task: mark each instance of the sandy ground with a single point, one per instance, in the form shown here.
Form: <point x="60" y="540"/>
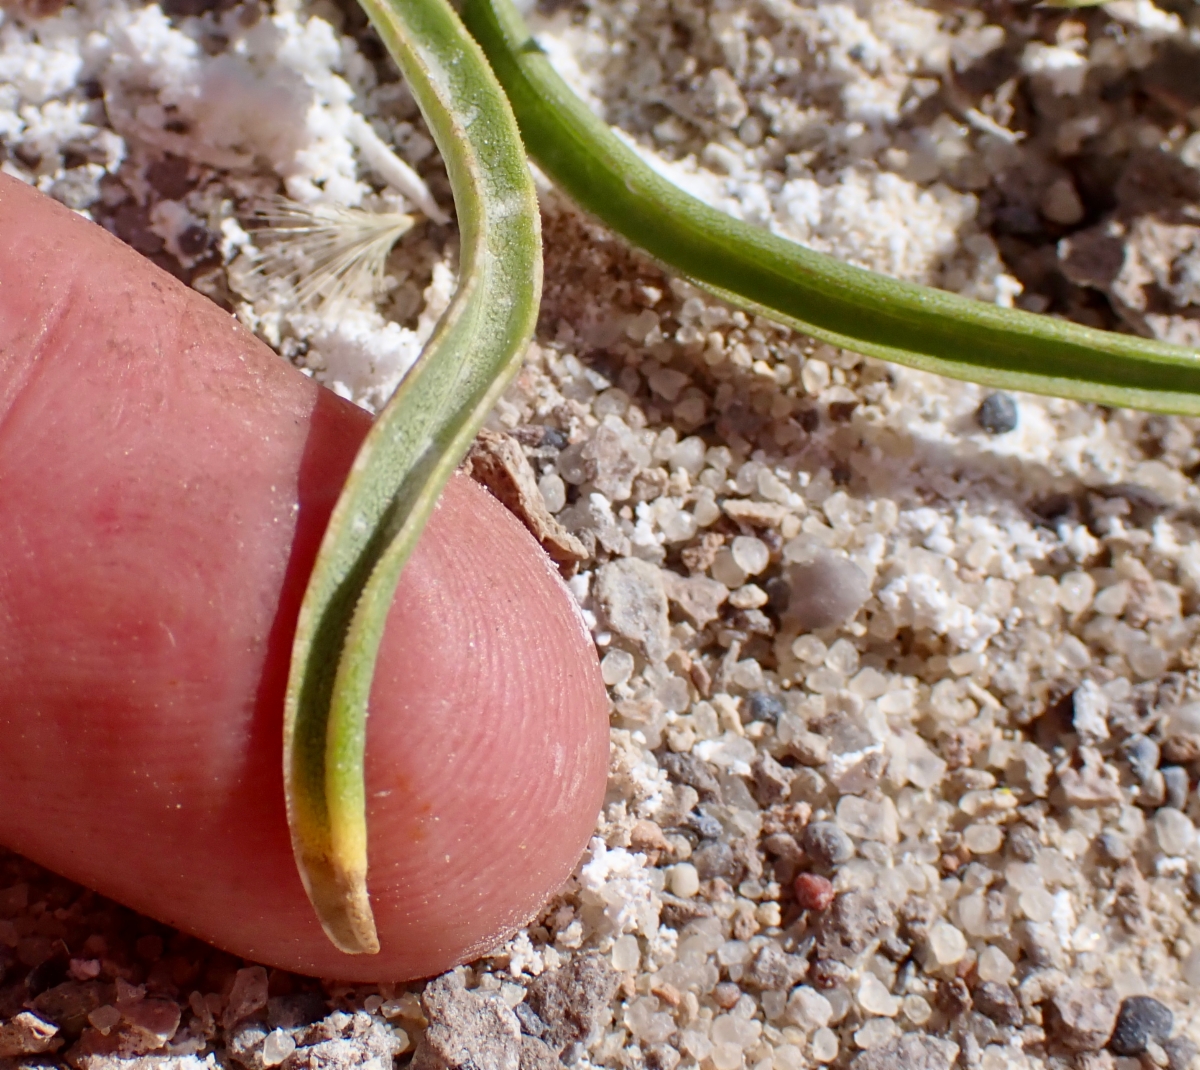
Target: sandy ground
<point x="906" y="701"/>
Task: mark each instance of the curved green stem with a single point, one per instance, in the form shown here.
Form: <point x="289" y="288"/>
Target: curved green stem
<point x="408" y="455"/>
<point x="871" y="313"/>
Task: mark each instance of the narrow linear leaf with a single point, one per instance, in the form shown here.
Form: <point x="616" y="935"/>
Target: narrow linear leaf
<point x="862" y="310"/>
<point x="408" y="455"/>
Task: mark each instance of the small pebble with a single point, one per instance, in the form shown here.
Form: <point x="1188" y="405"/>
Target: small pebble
<point x="813" y="892"/>
<point x="827" y="590"/>
<point x="998" y="1003"/>
<point x="661" y="1057"/>
<point x="750" y="554"/>
<point x="983" y="839"/>
<point x="1141" y="752"/>
<point x="704" y="825"/>
<point x="1082" y="1018"/>
<point x="277" y="1047"/>
<point x="994" y="965"/>
<point x="104" y="1018"/>
<point x="874" y="1033"/>
<point x="1060" y="203"/>
<point x="808" y="1008"/>
<point x="1140" y="1021"/>
<point x="827" y="845"/>
<point x="616" y="667"/>
<point x="761" y="706"/>
<point x="626" y="955"/>
<point x="916" y="1009"/>
<point x="714" y="860"/>
<point x="685" y="881"/>
<point x="1181" y="1053"/>
<point x="874" y="997"/>
<point x="952" y="996"/>
<point x="726" y="994"/>
<point x="1023" y="842"/>
<point x="553" y="491"/>
<point x="1176" y="783"/>
<point x="824" y="1045"/>
<point x="947" y="943"/>
<point x="1113" y="846"/>
<point x="1175" y="831"/>
<point x="531" y="1024"/>
<point x="997" y="415"/>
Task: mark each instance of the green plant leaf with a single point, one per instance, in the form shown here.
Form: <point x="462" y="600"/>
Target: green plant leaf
<point x="408" y="455"/>
<point x="862" y="310"/>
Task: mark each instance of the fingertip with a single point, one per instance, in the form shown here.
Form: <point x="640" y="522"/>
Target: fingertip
<point x="488" y="736"/>
<point x="167" y="480"/>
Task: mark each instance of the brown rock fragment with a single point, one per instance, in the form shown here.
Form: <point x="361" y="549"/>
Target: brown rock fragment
<point x="959" y="746"/>
<point x="911" y="1051"/>
<point x="1131" y="901"/>
<point x="700" y="556"/>
<point x="699" y="598"/>
<point x="997" y="1002"/>
<point x="647" y="837"/>
<point x="633" y="600"/>
<point x="27" y="1034"/>
<point x="536" y="1056"/>
<point x="755" y="514"/>
<point x="953" y="997"/>
<point x="1081" y="1018"/>
<point x="497" y="462"/>
<point x="772" y="781"/>
<point x="572" y="1000"/>
<point x="1090" y="786"/>
<point x="852" y="924"/>
<point x="248" y="996"/>
<point x="1182" y="747"/>
<point x="466" y="1031"/>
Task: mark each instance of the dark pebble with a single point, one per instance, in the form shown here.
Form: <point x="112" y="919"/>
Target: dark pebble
<point x="779" y="594"/>
<point x="1193" y="883"/>
<point x="194" y="240"/>
<point x="531" y="1023"/>
<point x="998" y="414"/>
<point x="952" y="996"/>
<point x="998" y="1003"/>
<point x="692" y="771"/>
<point x="661" y="1057"/>
<point x="1180" y="1053"/>
<point x="703" y="825"/>
<point x="1140" y="1020"/>
<point x="169" y="177"/>
<point x="893" y="948"/>
<point x="296" y="1010"/>
<point x="827" y="845"/>
<point x="1023" y="842"/>
<point x="714" y="860"/>
<point x="47" y="974"/>
<point x="760" y="706"/>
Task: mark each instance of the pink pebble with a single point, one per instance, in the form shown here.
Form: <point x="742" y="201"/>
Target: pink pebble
<point x="813" y="892"/>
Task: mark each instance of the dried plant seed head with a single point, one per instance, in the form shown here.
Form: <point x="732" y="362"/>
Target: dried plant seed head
<point x="327" y="254"/>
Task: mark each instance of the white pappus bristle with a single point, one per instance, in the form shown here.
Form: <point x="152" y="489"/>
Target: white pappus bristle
<point x="327" y="253"/>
